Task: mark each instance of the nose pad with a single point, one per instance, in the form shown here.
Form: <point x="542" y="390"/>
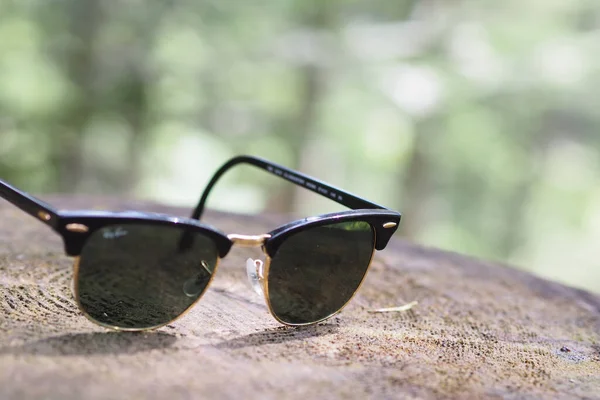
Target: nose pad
<point x="254" y="270"/>
<point x="196" y="284"/>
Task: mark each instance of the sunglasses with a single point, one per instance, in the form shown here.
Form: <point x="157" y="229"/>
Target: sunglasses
<point x="139" y="271"/>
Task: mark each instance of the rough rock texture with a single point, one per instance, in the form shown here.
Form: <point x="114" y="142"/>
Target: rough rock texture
<point x="480" y="330"/>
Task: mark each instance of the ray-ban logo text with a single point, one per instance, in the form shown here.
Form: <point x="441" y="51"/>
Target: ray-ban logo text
<point x="114" y="233"/>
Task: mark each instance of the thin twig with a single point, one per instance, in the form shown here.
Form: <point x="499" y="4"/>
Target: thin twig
<point x="403" y="308"/>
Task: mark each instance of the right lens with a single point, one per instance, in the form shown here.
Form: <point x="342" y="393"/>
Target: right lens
<point x="140" y="276"/>
<point x="315" y="272"/>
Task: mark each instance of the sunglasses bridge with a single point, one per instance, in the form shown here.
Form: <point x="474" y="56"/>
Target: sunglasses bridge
<point x="248" y="240"/>
<point x="254" y="268"/>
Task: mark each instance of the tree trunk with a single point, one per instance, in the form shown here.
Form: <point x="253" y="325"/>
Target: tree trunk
<point x="478" y="330"/>
<point x="84" y="18"/>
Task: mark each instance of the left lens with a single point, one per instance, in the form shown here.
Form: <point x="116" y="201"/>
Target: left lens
<point x="140" y="276"/>
<point x="315" y="272"/>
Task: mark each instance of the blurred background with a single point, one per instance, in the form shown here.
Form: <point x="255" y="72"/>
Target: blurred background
<point x="478" y="119"/>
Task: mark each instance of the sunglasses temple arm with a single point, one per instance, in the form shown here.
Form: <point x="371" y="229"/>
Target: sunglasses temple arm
<point x="338" y="195"/>
<point x="34" y="207"/>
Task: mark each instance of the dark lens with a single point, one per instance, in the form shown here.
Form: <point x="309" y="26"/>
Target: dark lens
<point x="138" y="276"/>
<point x="317" y="271"/>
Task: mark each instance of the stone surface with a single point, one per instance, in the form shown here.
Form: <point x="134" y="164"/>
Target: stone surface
<point x="480" y="330"/>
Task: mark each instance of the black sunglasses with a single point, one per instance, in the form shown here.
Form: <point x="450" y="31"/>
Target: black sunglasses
<point x="138" y="271"/>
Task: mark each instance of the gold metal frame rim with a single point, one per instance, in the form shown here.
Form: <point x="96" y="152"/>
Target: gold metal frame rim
<point x="248" y="240"/>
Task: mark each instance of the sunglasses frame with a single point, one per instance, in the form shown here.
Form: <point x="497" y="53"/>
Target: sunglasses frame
<point x="75" y="227"/>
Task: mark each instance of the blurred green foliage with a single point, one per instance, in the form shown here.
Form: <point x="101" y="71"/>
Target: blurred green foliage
<point x="477" y="119"/>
